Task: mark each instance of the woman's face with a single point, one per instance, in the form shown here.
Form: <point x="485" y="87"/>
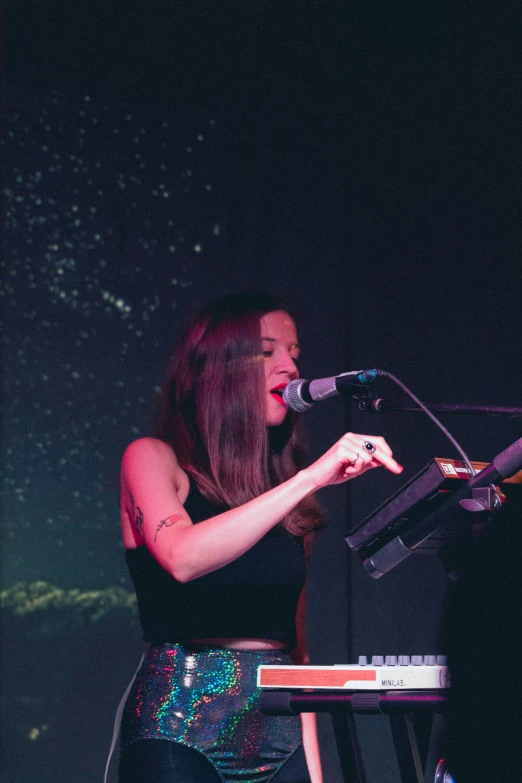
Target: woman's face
<point x="280" y="353"/>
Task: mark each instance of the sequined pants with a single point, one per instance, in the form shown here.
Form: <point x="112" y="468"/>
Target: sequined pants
<point x="205" y="700"/>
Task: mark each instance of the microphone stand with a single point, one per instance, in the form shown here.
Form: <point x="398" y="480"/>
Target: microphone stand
<point x="369" y="404"/>
<point x="369" y="401"/>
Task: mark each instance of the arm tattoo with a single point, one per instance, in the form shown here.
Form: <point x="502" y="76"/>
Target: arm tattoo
<point x="137" y="514"/>
<point x="168" y="522"/>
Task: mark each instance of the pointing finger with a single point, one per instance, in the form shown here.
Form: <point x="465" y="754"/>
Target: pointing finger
<point x="382" y="458"/>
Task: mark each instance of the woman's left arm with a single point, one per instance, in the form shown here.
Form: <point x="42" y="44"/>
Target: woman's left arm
<point x="301" y="658"/>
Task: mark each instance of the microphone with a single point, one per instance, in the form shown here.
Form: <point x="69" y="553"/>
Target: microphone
<point x="300" y="395"/>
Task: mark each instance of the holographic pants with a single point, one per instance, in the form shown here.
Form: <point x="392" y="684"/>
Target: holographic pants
<point x="205" y="698"/>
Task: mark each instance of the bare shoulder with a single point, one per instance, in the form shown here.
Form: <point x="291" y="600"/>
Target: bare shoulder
<point x="148" y="448"/>
<point x="146" y="457"/>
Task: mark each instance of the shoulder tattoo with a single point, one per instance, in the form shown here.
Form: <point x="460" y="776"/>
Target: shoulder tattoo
<point x="137" y="515"/>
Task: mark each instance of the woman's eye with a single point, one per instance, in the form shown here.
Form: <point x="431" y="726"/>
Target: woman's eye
<point x="267" y="353"/>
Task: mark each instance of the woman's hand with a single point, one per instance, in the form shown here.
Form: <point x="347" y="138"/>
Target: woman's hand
<point x="350" y="457"/>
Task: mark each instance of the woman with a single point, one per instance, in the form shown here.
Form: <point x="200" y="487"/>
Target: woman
<point x="217" y="513"/>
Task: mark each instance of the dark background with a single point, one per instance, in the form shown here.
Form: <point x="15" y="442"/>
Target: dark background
<point x="362" y="160"/>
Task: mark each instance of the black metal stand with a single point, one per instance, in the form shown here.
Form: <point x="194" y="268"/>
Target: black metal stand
<point x="371" y="404"/>
<point x="402" y="707"/>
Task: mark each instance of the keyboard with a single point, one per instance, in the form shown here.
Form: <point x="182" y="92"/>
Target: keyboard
<point x="384" y="673"/>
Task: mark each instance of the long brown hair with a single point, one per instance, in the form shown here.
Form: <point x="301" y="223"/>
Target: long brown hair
<point x="214" y="416"/>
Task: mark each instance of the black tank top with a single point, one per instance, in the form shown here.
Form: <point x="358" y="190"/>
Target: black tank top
<point x="254" y="596"/>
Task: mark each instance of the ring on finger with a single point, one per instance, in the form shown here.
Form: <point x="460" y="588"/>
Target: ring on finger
<point x="370" y="447"/>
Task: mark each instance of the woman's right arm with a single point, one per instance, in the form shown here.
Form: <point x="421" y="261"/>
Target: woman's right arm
<point x="152" y="482"/>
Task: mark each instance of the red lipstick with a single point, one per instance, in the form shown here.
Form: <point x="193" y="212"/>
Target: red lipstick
<point x="276" y="393"/>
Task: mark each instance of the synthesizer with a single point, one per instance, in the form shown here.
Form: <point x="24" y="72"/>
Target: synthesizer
<point x="420" y="496"/>
<point x="384" y="673"/>
<point x="430" y="514"/>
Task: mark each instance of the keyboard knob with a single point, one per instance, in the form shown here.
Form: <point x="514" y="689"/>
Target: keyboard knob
<point x="377" y="660"/>
<point x="363" y="660"/>
<point x="391" y="660"/>
<point x="404" y="660"/>
<point x="416" y="660"/>
<point x="429" y="660"/>
<point x="442" y="660"/>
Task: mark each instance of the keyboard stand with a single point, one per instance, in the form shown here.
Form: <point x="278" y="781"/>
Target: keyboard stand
<point x="410" y="713"/>
<point x="348" y="747"/>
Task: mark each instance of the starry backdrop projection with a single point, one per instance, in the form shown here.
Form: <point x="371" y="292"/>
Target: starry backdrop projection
<point x="110" y="214"/>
